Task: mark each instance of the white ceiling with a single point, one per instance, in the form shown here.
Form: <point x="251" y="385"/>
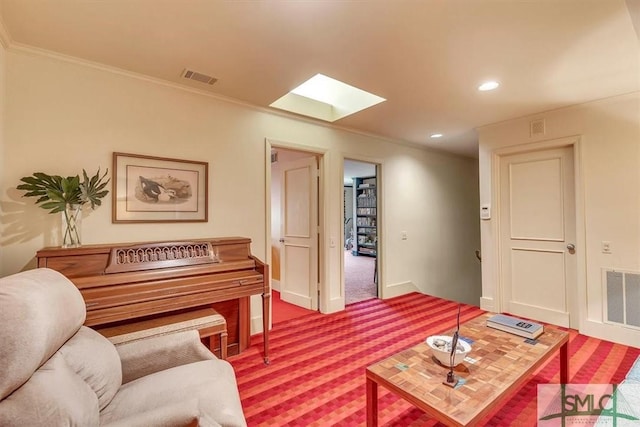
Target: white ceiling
<point x="425" y="57"/>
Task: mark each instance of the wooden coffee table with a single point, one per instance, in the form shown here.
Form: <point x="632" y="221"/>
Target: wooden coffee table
<point x="501" y="363"/>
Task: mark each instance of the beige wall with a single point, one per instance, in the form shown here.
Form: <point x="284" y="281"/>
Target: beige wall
<point x="3" y="99"/>
<point x="421" y="194"/>
<point x="608" y="197"/>
<point x="63" y="116"/>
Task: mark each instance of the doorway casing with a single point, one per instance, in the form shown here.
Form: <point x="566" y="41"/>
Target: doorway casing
<point x="380" y="222"/>
<point x="322" y="217"/>
<point x="574" y="143"/>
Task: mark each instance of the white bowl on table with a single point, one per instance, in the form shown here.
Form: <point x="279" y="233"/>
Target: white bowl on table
<point x="441" y="347"/>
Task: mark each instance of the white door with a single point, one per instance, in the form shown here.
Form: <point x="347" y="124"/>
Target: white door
<point x="299" y="234"/>
<point x="537" y="232"/>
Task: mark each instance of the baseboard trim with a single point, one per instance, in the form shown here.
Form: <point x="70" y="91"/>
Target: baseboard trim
<point x="255" y="307"/>
<point x="335" y="305"/>
<point x="610" y="332"/>
<point x="487" y="304"/>
<point x="256" y="325"/>
<point x="399" y="289"/>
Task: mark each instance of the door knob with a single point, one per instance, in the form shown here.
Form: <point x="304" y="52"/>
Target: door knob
<point x="281" y="240"/>
<point x="571" y="247"/>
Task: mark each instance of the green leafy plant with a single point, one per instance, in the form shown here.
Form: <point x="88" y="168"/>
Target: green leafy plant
<point x="67" y="195"/>
<point x="55" y="193"/>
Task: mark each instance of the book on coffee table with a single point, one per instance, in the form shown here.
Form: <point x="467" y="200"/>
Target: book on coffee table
<point x="520" y="327"/>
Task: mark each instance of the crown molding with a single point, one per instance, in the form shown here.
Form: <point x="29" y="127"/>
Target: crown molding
<point x="34" y="51"/>
<point x="5" y="37"/>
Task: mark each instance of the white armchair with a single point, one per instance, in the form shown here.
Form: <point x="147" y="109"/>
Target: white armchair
<point x="57" y="372"/>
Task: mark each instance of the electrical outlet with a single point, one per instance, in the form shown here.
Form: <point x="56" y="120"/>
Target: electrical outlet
<point x="606" y="247"/>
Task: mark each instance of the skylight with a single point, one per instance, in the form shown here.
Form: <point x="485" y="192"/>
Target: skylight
<point x="326" y="99"/>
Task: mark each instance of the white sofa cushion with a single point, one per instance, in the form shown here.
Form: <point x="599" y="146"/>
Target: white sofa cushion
<point x="211" y="382"/>
<point x="30" y="302"/>
<point x="96" y="361"/>
<point x="183" y="413"/>
<point x="53" y="396"/>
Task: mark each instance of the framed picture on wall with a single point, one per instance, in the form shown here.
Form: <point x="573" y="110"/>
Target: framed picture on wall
<point x="159" y="189"/>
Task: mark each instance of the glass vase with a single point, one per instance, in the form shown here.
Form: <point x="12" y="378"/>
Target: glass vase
<point x="71" y="226"/>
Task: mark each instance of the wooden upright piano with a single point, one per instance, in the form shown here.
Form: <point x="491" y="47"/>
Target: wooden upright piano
<point x="128" y="282"/>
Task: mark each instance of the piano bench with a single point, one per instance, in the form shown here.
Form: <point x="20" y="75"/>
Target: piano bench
<point x="207" y="321"/>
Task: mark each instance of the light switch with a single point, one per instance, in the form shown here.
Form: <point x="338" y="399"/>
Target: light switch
<point x="485" y="212"/>
<point x="403" y="235"/>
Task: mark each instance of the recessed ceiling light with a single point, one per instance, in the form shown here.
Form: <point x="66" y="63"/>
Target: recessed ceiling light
<point x="436" y="135"/>
<point x="327" y="99"/>
<point x="488" y="86"/>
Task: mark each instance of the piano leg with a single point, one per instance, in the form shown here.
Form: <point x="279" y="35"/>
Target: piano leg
<point x="266" y="298"/>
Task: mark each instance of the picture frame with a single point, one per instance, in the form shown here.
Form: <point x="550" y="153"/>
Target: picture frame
<point x="159" y="189"/>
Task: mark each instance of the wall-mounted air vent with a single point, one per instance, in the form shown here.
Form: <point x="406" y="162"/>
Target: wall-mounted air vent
<point x="536" y="127"/>
<point x="198" y="77"/>
<point x="622" y="297"/>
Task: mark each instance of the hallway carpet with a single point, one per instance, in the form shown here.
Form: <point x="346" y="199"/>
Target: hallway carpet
<point x="359" y="272"/>
<point x="317" y="371"/>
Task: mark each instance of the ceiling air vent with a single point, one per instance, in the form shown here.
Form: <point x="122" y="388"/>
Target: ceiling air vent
<point x="537" y="127"/>
<point x="198" y="77"/>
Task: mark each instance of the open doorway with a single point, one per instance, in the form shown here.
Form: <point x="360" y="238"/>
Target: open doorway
<point x="294" y="233"/>
<point x="360" y="231"/>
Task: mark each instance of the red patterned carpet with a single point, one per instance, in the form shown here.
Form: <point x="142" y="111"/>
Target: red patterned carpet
<point x="316" y="376"/>
<point x="282" y="311"/>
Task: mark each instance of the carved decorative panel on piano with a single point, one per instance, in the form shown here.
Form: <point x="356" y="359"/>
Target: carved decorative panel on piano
<point x="127" y="282"/>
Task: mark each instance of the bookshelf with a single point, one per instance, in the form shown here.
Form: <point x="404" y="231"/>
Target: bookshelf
<point x="366" y="216"/>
